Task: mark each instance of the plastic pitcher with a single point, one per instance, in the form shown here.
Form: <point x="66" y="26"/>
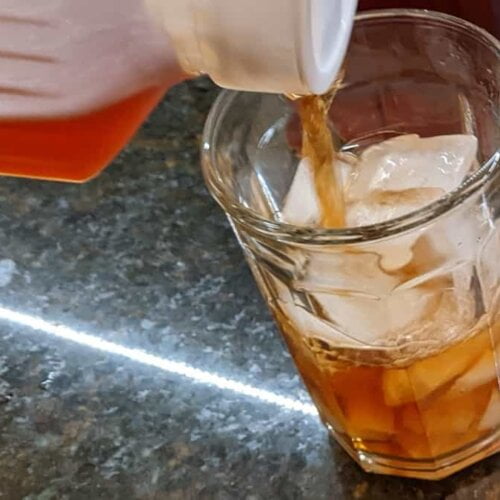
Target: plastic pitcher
<point x="77" y="78"/>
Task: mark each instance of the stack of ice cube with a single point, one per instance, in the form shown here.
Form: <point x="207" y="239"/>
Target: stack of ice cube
<point x="398" y="286"/>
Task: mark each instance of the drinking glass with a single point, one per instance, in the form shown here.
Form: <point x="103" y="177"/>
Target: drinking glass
<point x="403" y="365"/>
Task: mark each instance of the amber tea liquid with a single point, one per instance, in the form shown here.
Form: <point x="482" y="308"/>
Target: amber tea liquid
<point x="74" y="148"/>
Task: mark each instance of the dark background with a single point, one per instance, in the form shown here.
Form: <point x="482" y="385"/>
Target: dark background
<point x="484" y="13"/>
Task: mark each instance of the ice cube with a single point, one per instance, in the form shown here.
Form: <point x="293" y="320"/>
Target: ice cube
<point x="458" y="237"/>
<point x="480" y="373"/>
<point x="445" y="423"/>
<point x="396" y="252"/>
<point x="301" y="206"/>
<point x="408" y="162"/>
<point x="350" y="320"/>
<point x="345" y="298"/>
<point x="306" y="322"/>
<point x="394" y="257"/>
<point x="397" y="386"/>
<point x="402" y="175"/>
<point x="454" y="414"/>
<point x="424" y="377"/>
<point x="381" y="207"/>
<point x="424" y="446"/>
<point x="346" y="272"/>
<point x="357" y="300"/>
<point x="491" y="417"/>
<point x="375" y="322"/>
<point x="488" y="269"/>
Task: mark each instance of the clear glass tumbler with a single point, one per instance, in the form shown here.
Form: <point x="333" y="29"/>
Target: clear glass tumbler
<point x="402" y="365"/>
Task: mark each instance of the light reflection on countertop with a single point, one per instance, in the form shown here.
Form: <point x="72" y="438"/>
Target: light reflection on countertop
<point x="137" y="359"/>
<point x="168" y="365"/>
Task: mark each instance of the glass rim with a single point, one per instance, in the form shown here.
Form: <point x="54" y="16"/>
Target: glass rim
<point x="310" y="235"/>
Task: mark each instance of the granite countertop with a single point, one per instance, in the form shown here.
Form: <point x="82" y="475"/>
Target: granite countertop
<point x="137" y="360"/>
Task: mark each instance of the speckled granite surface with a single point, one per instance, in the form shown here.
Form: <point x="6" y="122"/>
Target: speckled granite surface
<point x="142" y="258"/>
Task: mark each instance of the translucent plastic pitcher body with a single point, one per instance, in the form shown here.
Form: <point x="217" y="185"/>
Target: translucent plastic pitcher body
<point x="76" y="79"/>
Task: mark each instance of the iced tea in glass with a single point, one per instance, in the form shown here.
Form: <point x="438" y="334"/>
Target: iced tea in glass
<point x="393" y="321"/>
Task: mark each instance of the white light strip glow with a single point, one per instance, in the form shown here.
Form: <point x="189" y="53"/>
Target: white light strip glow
<point x="175" y="367"/>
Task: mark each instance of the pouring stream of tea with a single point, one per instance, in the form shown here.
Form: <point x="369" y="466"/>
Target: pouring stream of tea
<point x="318" y="147"/>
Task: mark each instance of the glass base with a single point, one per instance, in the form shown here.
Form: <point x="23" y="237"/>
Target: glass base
<point x="432" y="469"/>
